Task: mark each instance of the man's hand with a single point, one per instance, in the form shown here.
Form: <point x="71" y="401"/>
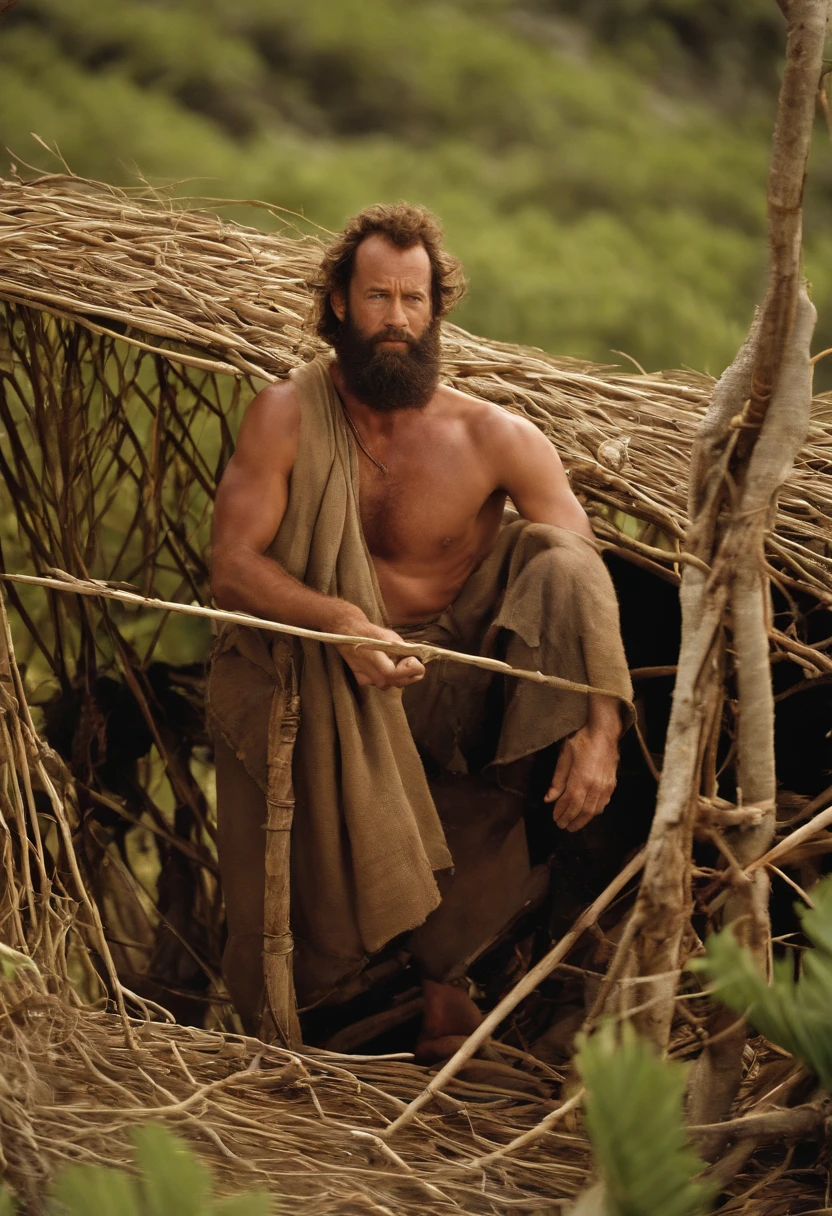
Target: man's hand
<point x="584" y="776"/>
<point x="375" y="667"/>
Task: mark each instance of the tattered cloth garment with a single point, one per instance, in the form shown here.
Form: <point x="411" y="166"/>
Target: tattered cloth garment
<point x="366" y="836"/>
<point x="543" y="601"/>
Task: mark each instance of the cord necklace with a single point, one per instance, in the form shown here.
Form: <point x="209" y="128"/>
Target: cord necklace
<point x="382" y="468"/>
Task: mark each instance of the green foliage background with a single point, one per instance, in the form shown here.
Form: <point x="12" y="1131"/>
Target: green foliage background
<point x="600" y="167"/>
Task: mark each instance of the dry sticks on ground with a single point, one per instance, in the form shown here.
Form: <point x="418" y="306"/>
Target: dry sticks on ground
<point x="303" y="1124"/>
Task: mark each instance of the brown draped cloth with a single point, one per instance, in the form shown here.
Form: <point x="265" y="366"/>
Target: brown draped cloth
<point x="366" y="837"/>
<point x="543" y="601"/>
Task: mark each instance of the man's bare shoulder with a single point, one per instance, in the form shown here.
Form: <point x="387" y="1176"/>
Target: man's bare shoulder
<point x="270" y="428"/>
<point x="275" y="406"/>
<point x="491" y="426"/>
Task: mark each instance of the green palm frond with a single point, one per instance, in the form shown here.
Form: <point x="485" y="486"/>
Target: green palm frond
<point x="793" y="1013"/>
<point x="173" y="1182"/>
<point x="94" y="1190"/>
<point x="634" y="1119"/>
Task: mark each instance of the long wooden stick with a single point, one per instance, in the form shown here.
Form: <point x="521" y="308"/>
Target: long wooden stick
<point x="280" y="1013"/>
<point x="61" y="581"/>
<point x="527" y="985"/>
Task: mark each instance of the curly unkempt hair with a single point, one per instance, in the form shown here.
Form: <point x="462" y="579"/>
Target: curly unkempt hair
<point x="404" y="225"/>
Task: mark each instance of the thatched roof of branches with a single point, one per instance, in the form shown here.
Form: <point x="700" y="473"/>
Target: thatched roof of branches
<point x="224" y="299"/>
<point x="134" y="330"/>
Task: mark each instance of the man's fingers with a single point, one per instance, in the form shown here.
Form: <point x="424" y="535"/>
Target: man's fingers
<point x="564" y="816"/>
<point x="561" y="776"/>
<point x="402" y="681"/>
<point x="377" y="669"/>
<point x="406" y="671"/>
<point x="380" y="668"/>
<point x="593" y="804"/>
<point x="583" y="781"/>
<point x="410" y="667"/>
<point x="590" y="811"/>
<point x="603" y="800"/>
<point x="568" y="805"/>
<point x="581" y="806"/>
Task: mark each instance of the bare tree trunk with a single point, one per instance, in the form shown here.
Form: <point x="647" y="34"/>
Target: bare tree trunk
<point x="716" y="1074"/>
<point x="744" y="450"/>
<point x="774" y="426"/>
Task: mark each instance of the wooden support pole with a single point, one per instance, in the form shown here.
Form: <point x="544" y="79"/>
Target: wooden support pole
<point x="743" y="452"/>
<point x="280" y="1015"/>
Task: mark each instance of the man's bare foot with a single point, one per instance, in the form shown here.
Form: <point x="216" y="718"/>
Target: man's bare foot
<point x="449" y="1017"/>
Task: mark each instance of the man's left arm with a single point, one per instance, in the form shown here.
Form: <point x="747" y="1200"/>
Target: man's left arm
<point x="534" y="478"/>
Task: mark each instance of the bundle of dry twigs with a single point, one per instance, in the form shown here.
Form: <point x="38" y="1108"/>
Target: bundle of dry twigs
<point x="230" y="300"/>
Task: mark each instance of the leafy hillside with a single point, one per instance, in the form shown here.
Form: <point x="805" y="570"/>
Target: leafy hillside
<point x="599" y="167"/>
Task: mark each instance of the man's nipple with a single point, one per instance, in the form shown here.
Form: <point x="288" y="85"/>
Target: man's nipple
<point x="446" y="541"/>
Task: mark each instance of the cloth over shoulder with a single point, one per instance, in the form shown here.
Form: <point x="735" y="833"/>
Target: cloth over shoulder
<point x="366" y="838"/>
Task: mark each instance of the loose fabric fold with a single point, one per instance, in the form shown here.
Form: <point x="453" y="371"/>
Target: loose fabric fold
<point x="366" y="838"/>
<point x="541" y="600"/>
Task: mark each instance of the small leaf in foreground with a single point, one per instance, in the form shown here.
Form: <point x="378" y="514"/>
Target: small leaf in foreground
<point x="634" y="1119"/>
<point x="793" y="1013"/>
<point x="175" y="1182"/>
<point x="93" y="1190"/>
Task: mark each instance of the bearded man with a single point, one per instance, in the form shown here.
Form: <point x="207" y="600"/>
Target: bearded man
<point x="366" y="498"/>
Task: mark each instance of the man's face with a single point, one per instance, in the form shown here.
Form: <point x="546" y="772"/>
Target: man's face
<point x="388" y="349"/>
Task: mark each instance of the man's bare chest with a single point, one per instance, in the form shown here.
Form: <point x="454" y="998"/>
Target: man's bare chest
<point x="422" y="506"/>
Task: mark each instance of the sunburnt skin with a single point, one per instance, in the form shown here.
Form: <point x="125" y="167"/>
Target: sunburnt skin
<point x="436" y="513"/>
<point x="433" y="481"/>
<point x="434" y="475"/>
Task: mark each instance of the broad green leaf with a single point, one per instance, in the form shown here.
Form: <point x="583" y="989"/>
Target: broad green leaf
<point x="93" y="1190"/>
<point x="175" y="1182"/>
<point x="634" y="1119"/>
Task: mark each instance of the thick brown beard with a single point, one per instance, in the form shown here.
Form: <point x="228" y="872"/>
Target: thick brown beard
<point x="387" y="380"/>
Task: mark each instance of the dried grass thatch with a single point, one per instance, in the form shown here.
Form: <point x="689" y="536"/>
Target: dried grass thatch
<point x="224" y="299"/>
<point x="134" y="332"/>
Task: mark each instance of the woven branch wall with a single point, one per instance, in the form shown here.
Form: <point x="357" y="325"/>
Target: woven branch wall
<point x="132" y="336"/>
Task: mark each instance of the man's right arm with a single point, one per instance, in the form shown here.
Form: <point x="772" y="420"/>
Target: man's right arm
<point x="250" y="505"/>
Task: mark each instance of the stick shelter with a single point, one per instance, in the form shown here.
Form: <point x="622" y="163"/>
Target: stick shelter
<point x="133" y="332"/>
